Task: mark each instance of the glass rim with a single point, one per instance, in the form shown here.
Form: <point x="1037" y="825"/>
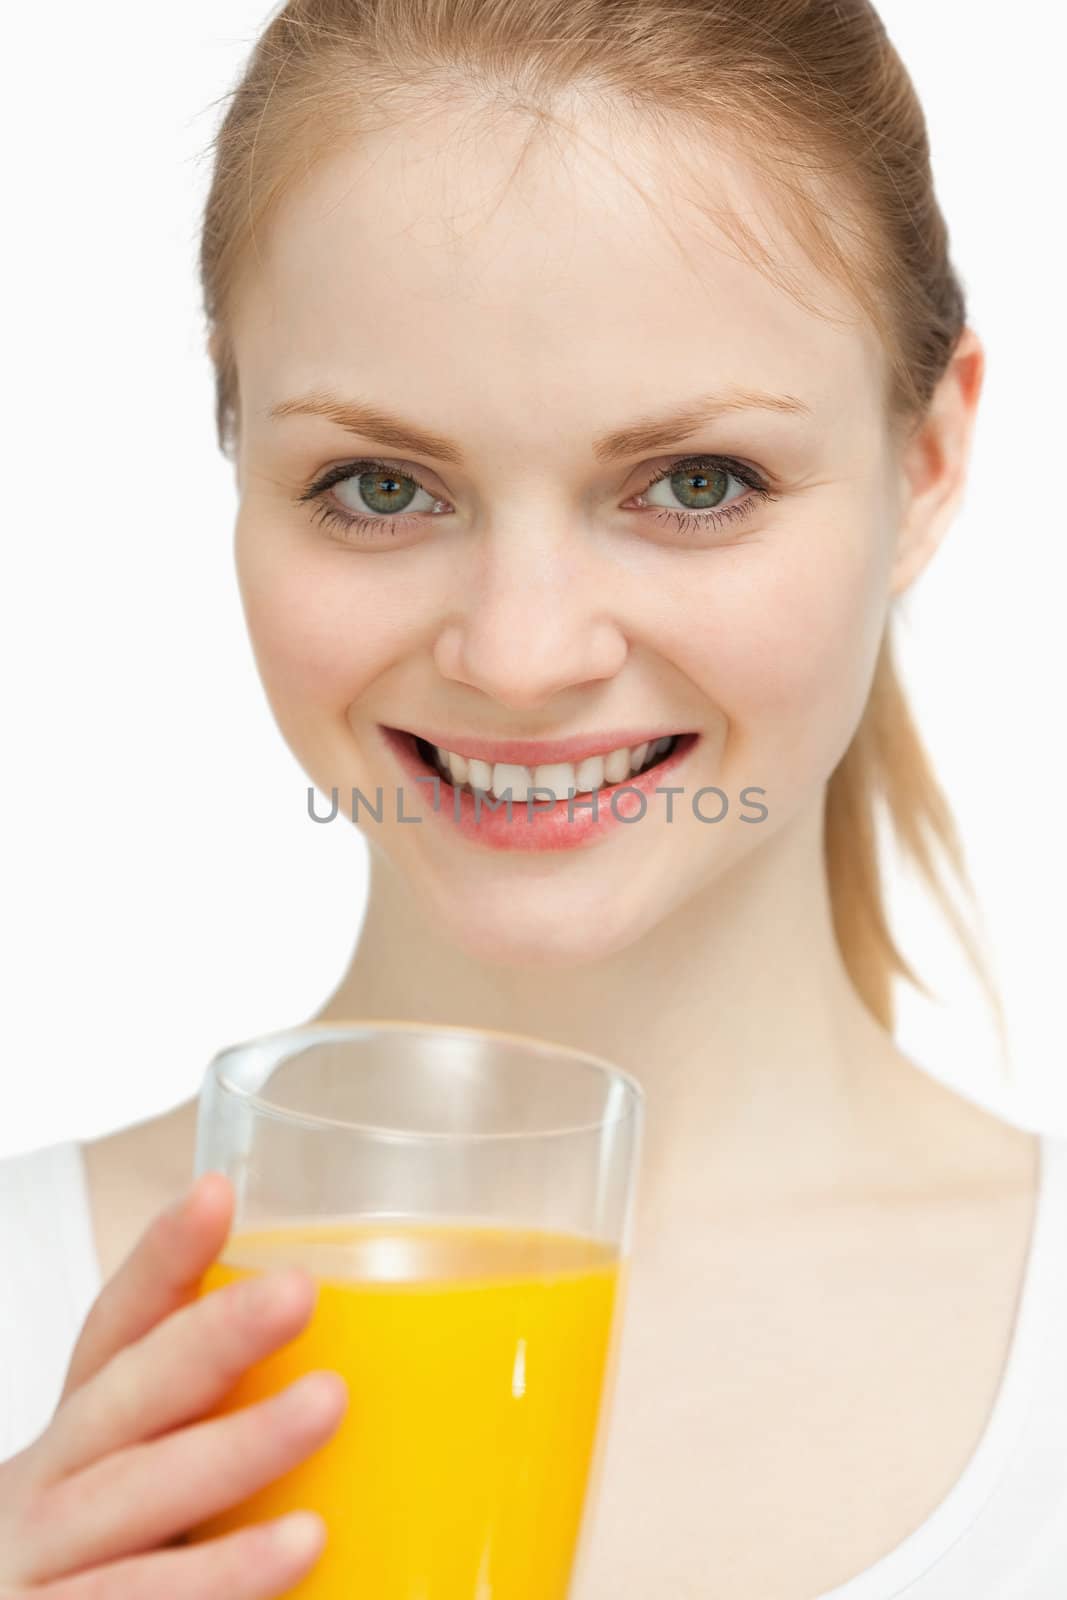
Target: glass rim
<point x="630" y="1102"/>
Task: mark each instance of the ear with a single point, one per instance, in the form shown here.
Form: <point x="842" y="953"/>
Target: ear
<point x="934" y="462"/>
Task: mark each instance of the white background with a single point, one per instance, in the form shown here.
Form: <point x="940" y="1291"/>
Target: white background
<point x="163" y="892"/>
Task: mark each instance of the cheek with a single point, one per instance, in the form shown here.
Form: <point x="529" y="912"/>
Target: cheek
<point x="321" y="626"/>
<point x="783" y="639"/>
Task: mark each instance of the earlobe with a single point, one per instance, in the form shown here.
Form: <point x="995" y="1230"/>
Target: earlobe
<point x="934" y="462"/>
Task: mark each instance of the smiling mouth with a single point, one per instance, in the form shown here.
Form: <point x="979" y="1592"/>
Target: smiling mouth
<point x="599" y="773"/>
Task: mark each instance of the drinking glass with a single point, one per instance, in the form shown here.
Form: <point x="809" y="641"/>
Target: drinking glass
<point x="464" y="1202"/>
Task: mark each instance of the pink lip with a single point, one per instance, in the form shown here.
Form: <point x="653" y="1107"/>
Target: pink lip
<point x="544" y="827"/>
<point x="540" y="752"/>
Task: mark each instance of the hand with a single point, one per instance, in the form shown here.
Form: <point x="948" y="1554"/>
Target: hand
<point x="95" y="1507"/>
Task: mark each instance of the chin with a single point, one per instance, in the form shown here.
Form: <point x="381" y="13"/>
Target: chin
<point x="541" y="925"/>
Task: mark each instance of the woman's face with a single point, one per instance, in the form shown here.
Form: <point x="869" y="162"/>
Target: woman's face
<point x="518" y="573"/>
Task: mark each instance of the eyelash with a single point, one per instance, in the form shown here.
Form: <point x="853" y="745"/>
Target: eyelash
<point x="686" y="521"/>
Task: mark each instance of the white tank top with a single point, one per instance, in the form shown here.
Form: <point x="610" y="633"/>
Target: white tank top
<point x="1000" y="1533"/>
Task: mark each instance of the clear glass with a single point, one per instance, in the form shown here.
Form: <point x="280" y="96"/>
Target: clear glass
<point x="464" y="1201"/>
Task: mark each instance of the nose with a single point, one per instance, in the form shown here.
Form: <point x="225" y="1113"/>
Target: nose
<point x="534" y="620"/>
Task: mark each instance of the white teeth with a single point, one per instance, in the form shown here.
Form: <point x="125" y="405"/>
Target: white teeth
<point x="558" y="776"/>
<point x="458" y="766"/>
<point x="506" y="776"/>
<point x="589" y="774"/>
<point x="617" y="765"/>
<point x="479" y="775"/>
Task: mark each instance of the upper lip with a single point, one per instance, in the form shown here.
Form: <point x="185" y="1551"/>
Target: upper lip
<point x="541" y="752"/>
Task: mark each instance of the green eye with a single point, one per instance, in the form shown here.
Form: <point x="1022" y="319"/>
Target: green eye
<point x="370" y="499"/>
<point x="698" y="488"/>
<point x="384" y="492"/>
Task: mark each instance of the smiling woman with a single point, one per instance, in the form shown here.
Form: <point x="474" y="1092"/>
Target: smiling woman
<point x="802" y="501"/>
<point x="597" y="379"/>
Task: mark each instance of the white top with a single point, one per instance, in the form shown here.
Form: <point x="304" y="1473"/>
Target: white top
<point x="1000" y="1533"/>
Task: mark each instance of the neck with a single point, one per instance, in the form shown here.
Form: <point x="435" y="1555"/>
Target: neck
<point x="760" y="1064"/>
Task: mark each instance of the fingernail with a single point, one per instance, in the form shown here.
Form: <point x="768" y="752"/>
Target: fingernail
<point x="299" y="1533"/>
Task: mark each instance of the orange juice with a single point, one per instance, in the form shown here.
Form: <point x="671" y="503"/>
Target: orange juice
<point x="476" y="1359"/>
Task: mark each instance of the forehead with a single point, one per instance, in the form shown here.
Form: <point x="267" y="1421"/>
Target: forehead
<point x="453" y="255"/>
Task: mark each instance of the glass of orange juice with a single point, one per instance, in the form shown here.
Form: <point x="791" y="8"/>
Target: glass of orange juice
<point x="464" y="1201"/>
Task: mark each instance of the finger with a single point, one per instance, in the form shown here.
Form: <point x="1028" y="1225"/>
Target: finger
<point x="141" y="1497"/>
<point x="255" y="1563"/>
<point x="181" y="1369"/>
<point x="161" y="1272"/>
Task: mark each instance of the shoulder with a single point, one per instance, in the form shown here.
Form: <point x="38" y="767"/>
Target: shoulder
<point x="1053" y="1147"/>
<point x="48" y="1270"/>
<point x="45" y="1240"/>
<point x="27" y="1180"/>
<point x="1041" y="1332"/>
<point x="1052" y="1179"/>
<point x="132" y="1173"/>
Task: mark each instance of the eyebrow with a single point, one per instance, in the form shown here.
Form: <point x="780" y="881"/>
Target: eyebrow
<point x="647" y="433"/>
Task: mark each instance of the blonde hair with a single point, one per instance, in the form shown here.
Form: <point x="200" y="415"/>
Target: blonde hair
<point x="811" y="95"/>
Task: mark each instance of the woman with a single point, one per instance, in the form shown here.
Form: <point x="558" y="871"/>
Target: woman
<point x="595" y="375"/>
